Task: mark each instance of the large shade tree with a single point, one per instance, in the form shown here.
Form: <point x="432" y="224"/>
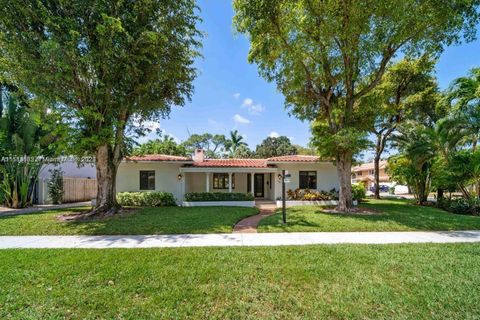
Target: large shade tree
<point x="165" y="144"/>
<point x="214" y="145"/>
<point x="408" y="87"/>
<point x="274" y="147"/>
<point x="106" y="62"/>
<point x="325" y="55"/>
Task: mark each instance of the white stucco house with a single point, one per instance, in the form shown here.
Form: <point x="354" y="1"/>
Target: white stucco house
<point x="261" y="177"/>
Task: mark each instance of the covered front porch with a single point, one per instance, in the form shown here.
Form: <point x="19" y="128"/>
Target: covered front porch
<point x="261" y="182"/>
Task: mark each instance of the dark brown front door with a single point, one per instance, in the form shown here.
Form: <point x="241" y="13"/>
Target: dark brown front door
<point x="259" y="184"/>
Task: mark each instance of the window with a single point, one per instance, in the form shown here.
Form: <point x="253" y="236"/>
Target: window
<point x="147" y="180"/>
<point x="308" y="179"/>
<point x="371" y="172"/>
<point x="220" y="181"/>
<point x="359" y="173"/>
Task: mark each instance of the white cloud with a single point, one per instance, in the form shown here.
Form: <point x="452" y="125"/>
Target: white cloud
<point x="247" y="102"/>
<point x="236" y="95"/>
<point x="274" y="134"/>
<point x="253" y="108"/>
<point x="239" y="119"/>
<point x="152" y="125"/>
<point x="146" y="124"/>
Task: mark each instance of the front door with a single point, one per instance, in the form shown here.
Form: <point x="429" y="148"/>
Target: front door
<point x="258" y="184"/>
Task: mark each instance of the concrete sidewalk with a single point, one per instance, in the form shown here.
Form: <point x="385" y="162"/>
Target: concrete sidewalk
<point x="229" y="240"/>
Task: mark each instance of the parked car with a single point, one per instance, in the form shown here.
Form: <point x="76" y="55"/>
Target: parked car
<point x="383" y="188"/>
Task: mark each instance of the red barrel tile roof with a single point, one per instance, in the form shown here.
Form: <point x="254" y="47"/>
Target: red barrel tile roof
<point x="157" y="157"/>
<point x="294" y="158"/>
<point x="239" y="163"/>
<point x="242" y="163"/>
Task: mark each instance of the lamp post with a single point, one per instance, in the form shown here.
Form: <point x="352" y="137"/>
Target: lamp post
<point x="285" y="179"/>
<point x="284" y="210"/>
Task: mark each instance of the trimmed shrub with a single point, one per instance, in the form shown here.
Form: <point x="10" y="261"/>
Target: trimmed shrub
<point x="311" y="195"/>
<point x="218" y="196"/>
<point x="461" y="206"/>
<point x="358" y="191"/>
<point x="146" y="199"/>
<point x="55" y="186"/>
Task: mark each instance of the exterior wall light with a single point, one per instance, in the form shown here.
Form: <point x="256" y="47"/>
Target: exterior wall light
<point x="179" y="177"/>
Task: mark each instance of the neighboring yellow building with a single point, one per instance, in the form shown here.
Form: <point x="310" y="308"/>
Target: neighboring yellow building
<point x="365" y="174"/>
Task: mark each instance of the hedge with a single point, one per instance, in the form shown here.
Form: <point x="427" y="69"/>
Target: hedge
<point x="146" y="199"/>
<point x="218" y="196"/>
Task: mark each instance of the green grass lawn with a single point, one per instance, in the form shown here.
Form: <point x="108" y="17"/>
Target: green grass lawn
<point x="165" y="220"/>
<point x="393" y="215"/>
<point x="416" y="281"/>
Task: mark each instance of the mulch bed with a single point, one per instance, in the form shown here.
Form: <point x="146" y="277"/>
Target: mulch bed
<point x="87" y="216"/>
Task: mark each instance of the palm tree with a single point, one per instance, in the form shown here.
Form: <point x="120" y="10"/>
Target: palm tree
<point x="19" y="137"/>
<point x="417" y="145"/>
<point x="464" y="95"/>
<point x="234" y="142"/>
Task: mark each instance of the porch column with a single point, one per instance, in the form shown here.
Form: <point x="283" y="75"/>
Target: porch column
<point x="230" y="182"/>
<point x="182" y="185"/>
<point x="252" y="184"/>
<point x="207" y="182"/>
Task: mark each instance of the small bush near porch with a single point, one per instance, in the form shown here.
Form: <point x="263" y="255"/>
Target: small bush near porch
<point x="218" y="196"/>
<point x="164" y="220"/>
<point x="146" y="199"/>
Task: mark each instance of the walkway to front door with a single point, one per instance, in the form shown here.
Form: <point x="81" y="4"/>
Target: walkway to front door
<point x="249" y="225"/>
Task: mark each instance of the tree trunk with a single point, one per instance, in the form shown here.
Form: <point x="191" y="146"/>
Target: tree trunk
<point x="344" y="171"/>
<point x="106" y="165"/>
<point x="464" y="190"/>
<point x="376" y="175"/>
<point x="440" y="194"/>
<point x="421" y="190"/>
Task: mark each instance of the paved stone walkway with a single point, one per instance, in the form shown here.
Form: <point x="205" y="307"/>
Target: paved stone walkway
<point x="249" y="225"/>
<point x="42" y="207"/>
<point x="239" y="239"/>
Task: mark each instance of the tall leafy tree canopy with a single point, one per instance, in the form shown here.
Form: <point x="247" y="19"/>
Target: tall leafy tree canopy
<point x="324" y="55"/>
<point x="214" y="145"/>
<point x="274" y="147"/>
<point x="106" y="63"/>
<point x="407" y="91"/>
<point x="163" y="145"/>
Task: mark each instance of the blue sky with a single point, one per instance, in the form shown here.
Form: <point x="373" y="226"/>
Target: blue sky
<point x="229" y="93"/>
